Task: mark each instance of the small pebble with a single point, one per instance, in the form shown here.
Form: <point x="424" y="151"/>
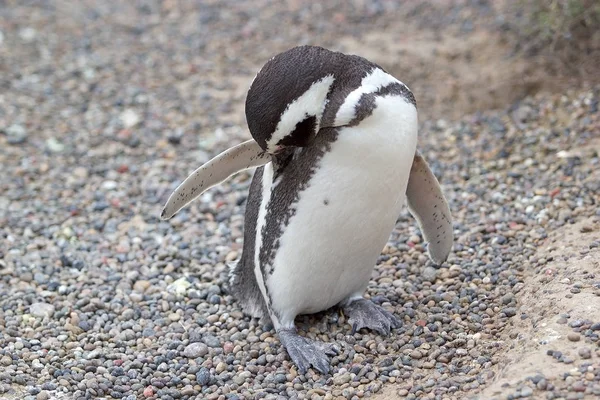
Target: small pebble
<point x="573" y="337"/>
<point x="526" y="391"/>
<point x="43" y="395"/>
<point x="584" y="353"/>
<point x="203" y="377"/>
<point x="41" y="310"/>
<point x="195" y="350"/>
<point x="148" y="392"/>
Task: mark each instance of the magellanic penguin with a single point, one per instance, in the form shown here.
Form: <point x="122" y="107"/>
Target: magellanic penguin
<point x="335" y="140"/>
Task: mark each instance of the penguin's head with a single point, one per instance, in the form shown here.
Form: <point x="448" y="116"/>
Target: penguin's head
<point x="286" y="101"/>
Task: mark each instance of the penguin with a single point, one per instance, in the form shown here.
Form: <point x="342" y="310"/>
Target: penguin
<point x="335" y="151"/>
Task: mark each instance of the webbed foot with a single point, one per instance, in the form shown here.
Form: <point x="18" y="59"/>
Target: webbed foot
<point x="364" y="313"/>
<point x="305" y="352"/>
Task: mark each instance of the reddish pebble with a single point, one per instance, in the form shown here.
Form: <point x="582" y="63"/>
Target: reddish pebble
<point x="124" y="134"/>
<point x="122" y="169"/>
<point x="148" y="392"/>
<point x="118" y="363"/>
<point x="421" y="322"/>
<point x="228" y="347"/>
<point x="554" y="192"/>
<point x="339" y="18"/>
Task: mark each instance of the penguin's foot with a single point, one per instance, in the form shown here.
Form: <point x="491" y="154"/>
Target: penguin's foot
<point x="363" y="313"/>
<point x="305" y="352"/>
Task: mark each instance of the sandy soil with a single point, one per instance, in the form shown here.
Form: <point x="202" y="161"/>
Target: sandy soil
<point x="452" y="75"/>
<point x="546" y="295"/>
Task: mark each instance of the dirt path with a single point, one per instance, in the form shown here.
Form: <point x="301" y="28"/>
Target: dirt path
<point x="547" y="298"/>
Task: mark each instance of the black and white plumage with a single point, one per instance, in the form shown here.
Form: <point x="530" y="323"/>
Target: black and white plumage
<point x="335" y="140"/>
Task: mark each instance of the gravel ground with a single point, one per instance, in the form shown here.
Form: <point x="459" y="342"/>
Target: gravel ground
<point x="107" y="106"/>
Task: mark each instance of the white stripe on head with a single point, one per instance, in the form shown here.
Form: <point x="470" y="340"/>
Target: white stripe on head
<point x="374" y="81"/>
<point x="311" y="102"/>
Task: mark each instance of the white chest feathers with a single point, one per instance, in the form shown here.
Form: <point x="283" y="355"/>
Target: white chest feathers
<point x="346" y="214"/>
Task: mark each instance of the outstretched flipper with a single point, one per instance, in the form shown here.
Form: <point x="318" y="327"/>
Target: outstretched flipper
<point x="428" y="205"/>
<point x="238" y="158"/>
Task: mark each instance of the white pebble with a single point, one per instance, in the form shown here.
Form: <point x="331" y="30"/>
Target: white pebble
<point x="41" y="309"/>
<point x="129" y="118"/>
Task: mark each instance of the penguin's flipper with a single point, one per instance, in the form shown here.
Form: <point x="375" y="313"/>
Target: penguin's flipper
<point x="428" y="205"/>
<point x="238" y="158"/>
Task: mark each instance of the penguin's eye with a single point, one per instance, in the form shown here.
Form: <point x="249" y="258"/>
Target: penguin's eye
<point x="303" y="133"/>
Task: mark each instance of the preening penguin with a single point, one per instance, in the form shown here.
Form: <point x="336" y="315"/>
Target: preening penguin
<point x="335" y="143"/>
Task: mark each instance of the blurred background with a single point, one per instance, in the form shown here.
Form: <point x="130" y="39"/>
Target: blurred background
<point x="182" y="68"/>
<point x="106" y="105"/>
